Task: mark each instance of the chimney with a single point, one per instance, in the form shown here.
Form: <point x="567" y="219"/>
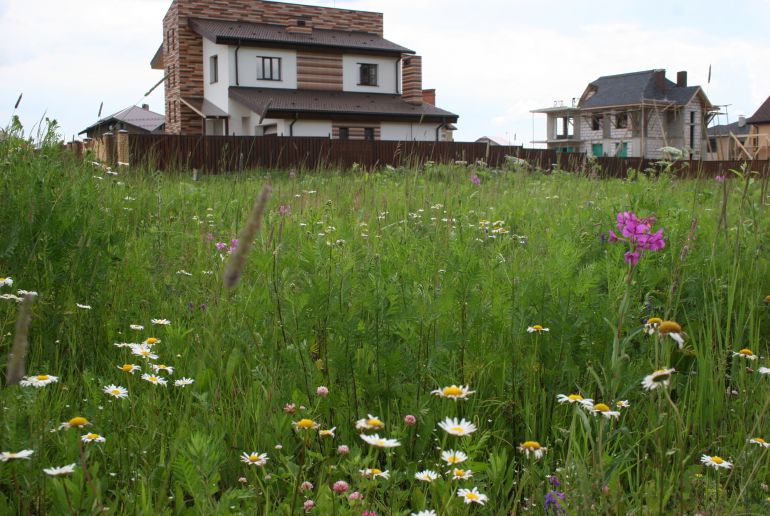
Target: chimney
<point x="681" y="79"/>
<point x="429" y="97"/>
<point x="146" y="107"/>
<point x="741" y="120"/>
<point x="660" y="80"/>
<point x="411" y="79"/>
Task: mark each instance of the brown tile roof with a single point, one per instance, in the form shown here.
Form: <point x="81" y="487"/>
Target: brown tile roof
<point x="273" y="101"/>
<point x="138" y="117"/>
<point x="762" y="116"/>
<point x="229" y="32"/>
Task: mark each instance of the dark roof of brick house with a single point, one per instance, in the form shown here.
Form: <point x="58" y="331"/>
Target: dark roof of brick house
<point x="265" y="101"/>
<point x="762" y="116"/>
<point x="229" y="32"/>
<point x="136" y="116"/>
<point x="724" y="130"/>
<point x="632" y="88"/>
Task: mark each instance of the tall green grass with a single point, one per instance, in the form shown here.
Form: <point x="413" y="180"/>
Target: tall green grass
<point x="383" y="287"/>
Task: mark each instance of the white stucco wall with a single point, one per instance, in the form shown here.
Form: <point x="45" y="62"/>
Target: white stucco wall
<point x="321" y="128"/>
<point x="387" y="75"/>
<point x="216" y="93"/>
<point x="247" y="68"/>
<point x="408" y="132"/>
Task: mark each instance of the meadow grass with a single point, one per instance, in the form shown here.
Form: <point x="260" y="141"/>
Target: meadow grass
<point x="381" y="287"/>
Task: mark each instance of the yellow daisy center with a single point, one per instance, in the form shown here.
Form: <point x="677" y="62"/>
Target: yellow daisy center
<point x="127" y="367"/>
<point x="153" y="378"/>
<point x="471" y="496"/>
<point x="459" y="472"/>
<point x="458" y="429"/>
<point x="92" y="436"/>
<point x="254" y="458"/>
<point x="601" y="407"/>
<point x="717" y="460"/>
<point x="746" y="351"/>
<point x="537" y="327"/>
<point x="152" y="340"/>
<point x="115" y="391"/>
<point x="453" y="459"/>
<point x="161" y="366"/>
<point x="375" y="422"/>
<point x="759" y="440"/>
<point x="42" y="377"/>
<point x="531" y="445"/>
<point x="669" y="327"/>
<point x="78" y="421"/>
<point x="305" y="423"/>
<point x="575" y="397"/>
<point x="376" y="471"/>
<point x="452" y="391"/>
<point x="654" y="320"/>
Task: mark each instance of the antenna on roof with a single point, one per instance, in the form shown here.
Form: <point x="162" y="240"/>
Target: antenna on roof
<point x="100" y="110"/>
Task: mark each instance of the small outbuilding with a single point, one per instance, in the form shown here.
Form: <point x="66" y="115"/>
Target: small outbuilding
<point x="134" y="119"/>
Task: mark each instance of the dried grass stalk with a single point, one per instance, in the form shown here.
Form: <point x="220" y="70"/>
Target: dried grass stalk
<point x="18" y="357"/>
<point x="246" y="239"/>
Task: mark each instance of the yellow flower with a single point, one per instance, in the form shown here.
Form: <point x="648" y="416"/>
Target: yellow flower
<point x="453" y="392"/>
<point x="533" y="448"/>
<point x="370" y="423"/>
<point x="305" y="424"/>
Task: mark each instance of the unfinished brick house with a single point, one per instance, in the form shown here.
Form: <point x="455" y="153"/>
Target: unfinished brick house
<point x="632" y="115"/>
<point x="260" y="68"/>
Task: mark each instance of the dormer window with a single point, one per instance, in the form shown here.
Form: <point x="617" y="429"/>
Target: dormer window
<point x="367" y="74"/>
<point x="268" y="68"/>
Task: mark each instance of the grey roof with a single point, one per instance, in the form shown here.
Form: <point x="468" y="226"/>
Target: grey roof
<point x="273" y="100"/>
<point x="204" y="108"/>
<point x="762" y="116"/>
<point x="726" y="129"/>
<point x="224" y="32"/>
<point x="134" y="115"/>
<point x="632" y="88"/>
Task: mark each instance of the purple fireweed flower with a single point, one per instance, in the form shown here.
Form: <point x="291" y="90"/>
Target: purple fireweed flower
<point x="475" y="180"/>
<point x="552" y="503"/>
<point x="637" y="233"/>
<point x="284" y="209"/>
<point x="221" y="246"/>
<point x="719" y="179"/>
<point x="631" y="257"/>
<point x="554" y="481"/>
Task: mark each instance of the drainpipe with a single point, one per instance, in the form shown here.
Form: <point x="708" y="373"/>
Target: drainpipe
<point x="438" y="128"/>
<point x="398" y="69"/>
<point x="291" y="125"/>
<point x="237" y="48"/>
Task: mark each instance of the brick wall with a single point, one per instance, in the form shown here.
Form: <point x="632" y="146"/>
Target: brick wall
<point x="183" y="48"/>
<point x="412" y="79"/>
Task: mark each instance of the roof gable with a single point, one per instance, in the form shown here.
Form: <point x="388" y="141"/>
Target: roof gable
<point x="134" y="115"/>
<point x="762" y="114"/>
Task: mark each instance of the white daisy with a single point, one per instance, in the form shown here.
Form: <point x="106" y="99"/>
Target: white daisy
<point x="129" y="368"/>
<point x="532" y="448"/>
<point x="374" y="473"/>
<point x="370" y="423"/>
<point x="144" y="351"/>
<point x="604" y="410"/>
<point x="151" y="341"/>
<point x="157" y="380"/>
<point x="305" y="424"/>
<point x="759" y="441"/>
<point x="673" y="330"/>
<point x="453" y="457"/>
<point x="622" y="404"/>
<point x="659" y="378"/>
<point x="6" y="282"/>
<point x="455" y="427"/>
<point x="429" y="512"/>
<point x="426" y="476"/>
<point x="573" y="398"/>
<point x="651" y="326"/>
<point x="472" y="496"/>
<point x="93" y="438"/>
<point x="137" y="327"/>
<point x="75" y="422"/>
<point x="163" y="367"/>
<point x="23" y="454"/>
<point x="537" y="329"/>
<point x="116" y="391"/>
<point x="715" y="462"/>
<point x="182" y="382"/>
<point x="254" y="458"/>
<point x="84" y="307"/>
<point x="745" y="353"/>
<point x="461" y="474"/>
<point x="38" y="381"/>
<point x="63" y="470"/>
<point x="327" y="433"/>
<point x="162" y="322"/>
<point x="380" y="442"/>
<point x="453" y="392"/>
<point x="764" y="370"/>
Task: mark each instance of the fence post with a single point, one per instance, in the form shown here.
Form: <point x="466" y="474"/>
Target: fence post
<point x="108" y="144"/>
<point x="122" y="148"/>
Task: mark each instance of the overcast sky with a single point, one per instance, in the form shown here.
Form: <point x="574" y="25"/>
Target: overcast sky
<point x="491" y="61"/>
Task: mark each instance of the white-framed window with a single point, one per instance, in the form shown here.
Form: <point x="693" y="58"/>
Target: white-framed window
<point x="367" y="74"/>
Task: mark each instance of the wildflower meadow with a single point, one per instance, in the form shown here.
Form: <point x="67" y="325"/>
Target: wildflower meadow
<point x="445" y="340"/>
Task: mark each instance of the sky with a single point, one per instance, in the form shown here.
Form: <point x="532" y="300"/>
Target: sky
<point x="491" y="61"/>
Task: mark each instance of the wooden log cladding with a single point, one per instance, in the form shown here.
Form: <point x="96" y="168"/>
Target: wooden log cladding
<point x="319" y="71"/>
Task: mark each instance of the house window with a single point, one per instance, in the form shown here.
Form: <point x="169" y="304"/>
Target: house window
<point x="621" y="150"/>
<point x="268" y="68"/>
<point x="597" y="122"/>
<point x="213" y="69"/>
<point x="367" y="74"/>
<point x="344" y="133"/>
<point x="597" y="149"/>
<point x="621" y="120"/>
<point x="368" y="133"/>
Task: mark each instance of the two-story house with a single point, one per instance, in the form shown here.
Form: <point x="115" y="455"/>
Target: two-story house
<point x="758" y="139"/>
<point x="631" y="115"/>
<point x="261" y="68"/>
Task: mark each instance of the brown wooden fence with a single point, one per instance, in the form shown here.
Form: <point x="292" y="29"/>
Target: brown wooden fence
<point x="217" y="154"/>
